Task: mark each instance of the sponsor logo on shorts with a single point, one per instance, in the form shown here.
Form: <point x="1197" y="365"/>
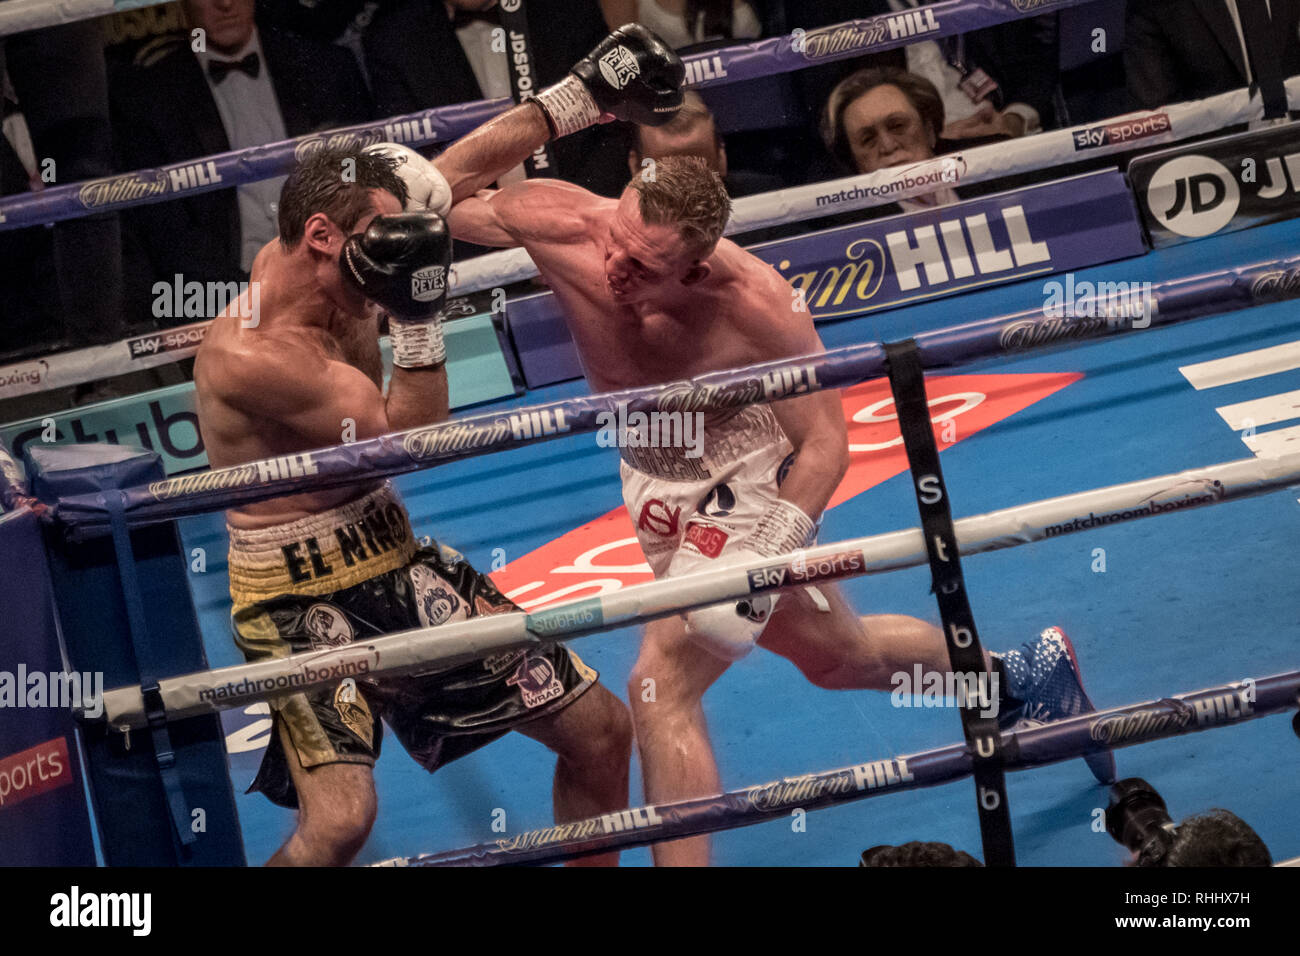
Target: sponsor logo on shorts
<point x="619" y="67"/>
<point x="353" y="711"/>
<point x="807" y="570"/>
<point x="428" y="283"/>
<point x="757" y="609"/>
<point x="327" y="627"/>
<point x="785" y="468"/>
<point x="720" y="501"/>
<point x="379" y="529"/>
<point x="708" y="539"/>
<point x="537" y="682"/>
<point x="1122" y="131"/>
<point x="500" y="663"/>
<point x="435" y="602"/>
<point x="657" y="518"/>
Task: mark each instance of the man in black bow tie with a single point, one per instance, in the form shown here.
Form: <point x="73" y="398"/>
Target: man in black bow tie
<point x="227" y="84"/>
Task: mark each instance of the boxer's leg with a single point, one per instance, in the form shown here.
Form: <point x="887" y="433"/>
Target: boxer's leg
<point x="838" y="650"/>
<point x="336" y="809"/>
<point x="665" y="688"/>
<point x="592" y="740"/>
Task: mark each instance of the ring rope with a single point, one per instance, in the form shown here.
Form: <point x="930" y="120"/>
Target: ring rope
<point x="1172" y="301"/>
<point x="1115" y="727"/>
<point x="498" y="269"/>
<point x="420" y="649"/>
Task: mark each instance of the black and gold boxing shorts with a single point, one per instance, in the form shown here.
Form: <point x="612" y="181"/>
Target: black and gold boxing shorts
<point x="354" y="573"/>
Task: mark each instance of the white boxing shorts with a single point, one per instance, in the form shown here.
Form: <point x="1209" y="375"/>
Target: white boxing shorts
<point x="689" y="511"/>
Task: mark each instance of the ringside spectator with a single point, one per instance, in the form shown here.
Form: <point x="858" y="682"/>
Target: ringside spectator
<point x="682" y="23"/>
<point x="693" y="132"/>
<point x="881" y="117"/>
<point x="246" y="87"/>
<point x="1176" y="51"/>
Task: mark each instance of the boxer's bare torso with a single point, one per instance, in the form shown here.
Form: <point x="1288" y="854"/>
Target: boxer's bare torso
<point x="256" y="384"/>
<point x="642" y="311"/>
<point x="660" y="330"/>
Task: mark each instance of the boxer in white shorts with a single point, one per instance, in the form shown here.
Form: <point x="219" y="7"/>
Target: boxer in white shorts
<point x="684" y="522"/>
<point x="652" y="293"/>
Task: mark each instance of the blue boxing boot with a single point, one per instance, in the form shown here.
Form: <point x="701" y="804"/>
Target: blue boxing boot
<point x="1044" y="678"/>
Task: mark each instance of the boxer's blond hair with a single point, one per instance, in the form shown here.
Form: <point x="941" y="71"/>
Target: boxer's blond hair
<point x="683" y="191"/>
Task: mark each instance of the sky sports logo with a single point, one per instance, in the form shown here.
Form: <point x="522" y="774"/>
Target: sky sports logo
<point x="1122" y="131"/>
<point x="807" y="570"/>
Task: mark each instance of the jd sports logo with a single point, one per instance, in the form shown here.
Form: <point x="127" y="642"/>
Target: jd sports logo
<point x="1193" y="196"/>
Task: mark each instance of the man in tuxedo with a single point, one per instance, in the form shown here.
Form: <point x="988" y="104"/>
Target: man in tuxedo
<point x="1176" y="50"/>
<point x="241" y="86"/>
<point x="71" y="272"/>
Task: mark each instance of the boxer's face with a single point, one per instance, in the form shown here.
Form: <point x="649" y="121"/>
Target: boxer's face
<point x="227" y="23"/>
<point x="883" y="129"/>
<point x="644" y="260"/>
<point x="330" y="238"/>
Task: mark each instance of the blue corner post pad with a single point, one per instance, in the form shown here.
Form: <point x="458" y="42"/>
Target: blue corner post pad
<point x="162" y="796"/>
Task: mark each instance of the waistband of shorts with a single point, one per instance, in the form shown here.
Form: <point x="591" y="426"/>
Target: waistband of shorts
<point x="727" y="437"/>
<point x="323" y="552"/>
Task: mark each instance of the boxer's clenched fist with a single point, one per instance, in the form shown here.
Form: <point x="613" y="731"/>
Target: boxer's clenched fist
<point x="631" y="74"/>
<point x="427" y="189"/>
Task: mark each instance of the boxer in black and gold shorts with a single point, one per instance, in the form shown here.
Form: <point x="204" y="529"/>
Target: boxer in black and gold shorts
<point x="354" y="573"/>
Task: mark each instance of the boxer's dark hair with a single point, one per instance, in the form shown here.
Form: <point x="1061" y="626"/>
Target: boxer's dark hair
<point x="318" y="184"/>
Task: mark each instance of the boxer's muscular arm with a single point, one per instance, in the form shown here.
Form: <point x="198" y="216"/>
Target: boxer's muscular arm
<point x="531" y="213"/>
<point x="295" y="385"/>
<point x="814" y="423"/>
<point x="501" y="144"/>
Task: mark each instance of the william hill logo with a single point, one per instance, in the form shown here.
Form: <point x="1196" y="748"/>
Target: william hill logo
<point x="119" y="189"/>
<point x="927" y="258"/>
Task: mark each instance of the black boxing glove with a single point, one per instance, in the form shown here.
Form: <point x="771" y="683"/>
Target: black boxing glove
<point x="401" y="263"/>
<point x="632" y="74"/>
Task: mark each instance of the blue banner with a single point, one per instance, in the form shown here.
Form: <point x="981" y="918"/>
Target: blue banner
<point x="900" y="260"/>
<point x="44" y="820"/>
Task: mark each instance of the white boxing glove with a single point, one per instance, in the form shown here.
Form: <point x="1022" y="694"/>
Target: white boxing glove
<point x="427" y="189"/>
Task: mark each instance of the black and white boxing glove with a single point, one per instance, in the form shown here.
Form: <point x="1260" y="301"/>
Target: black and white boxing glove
<point x="400" y="262"/>
<point x="427" y="189"/>
<point x="631" y="74"/>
